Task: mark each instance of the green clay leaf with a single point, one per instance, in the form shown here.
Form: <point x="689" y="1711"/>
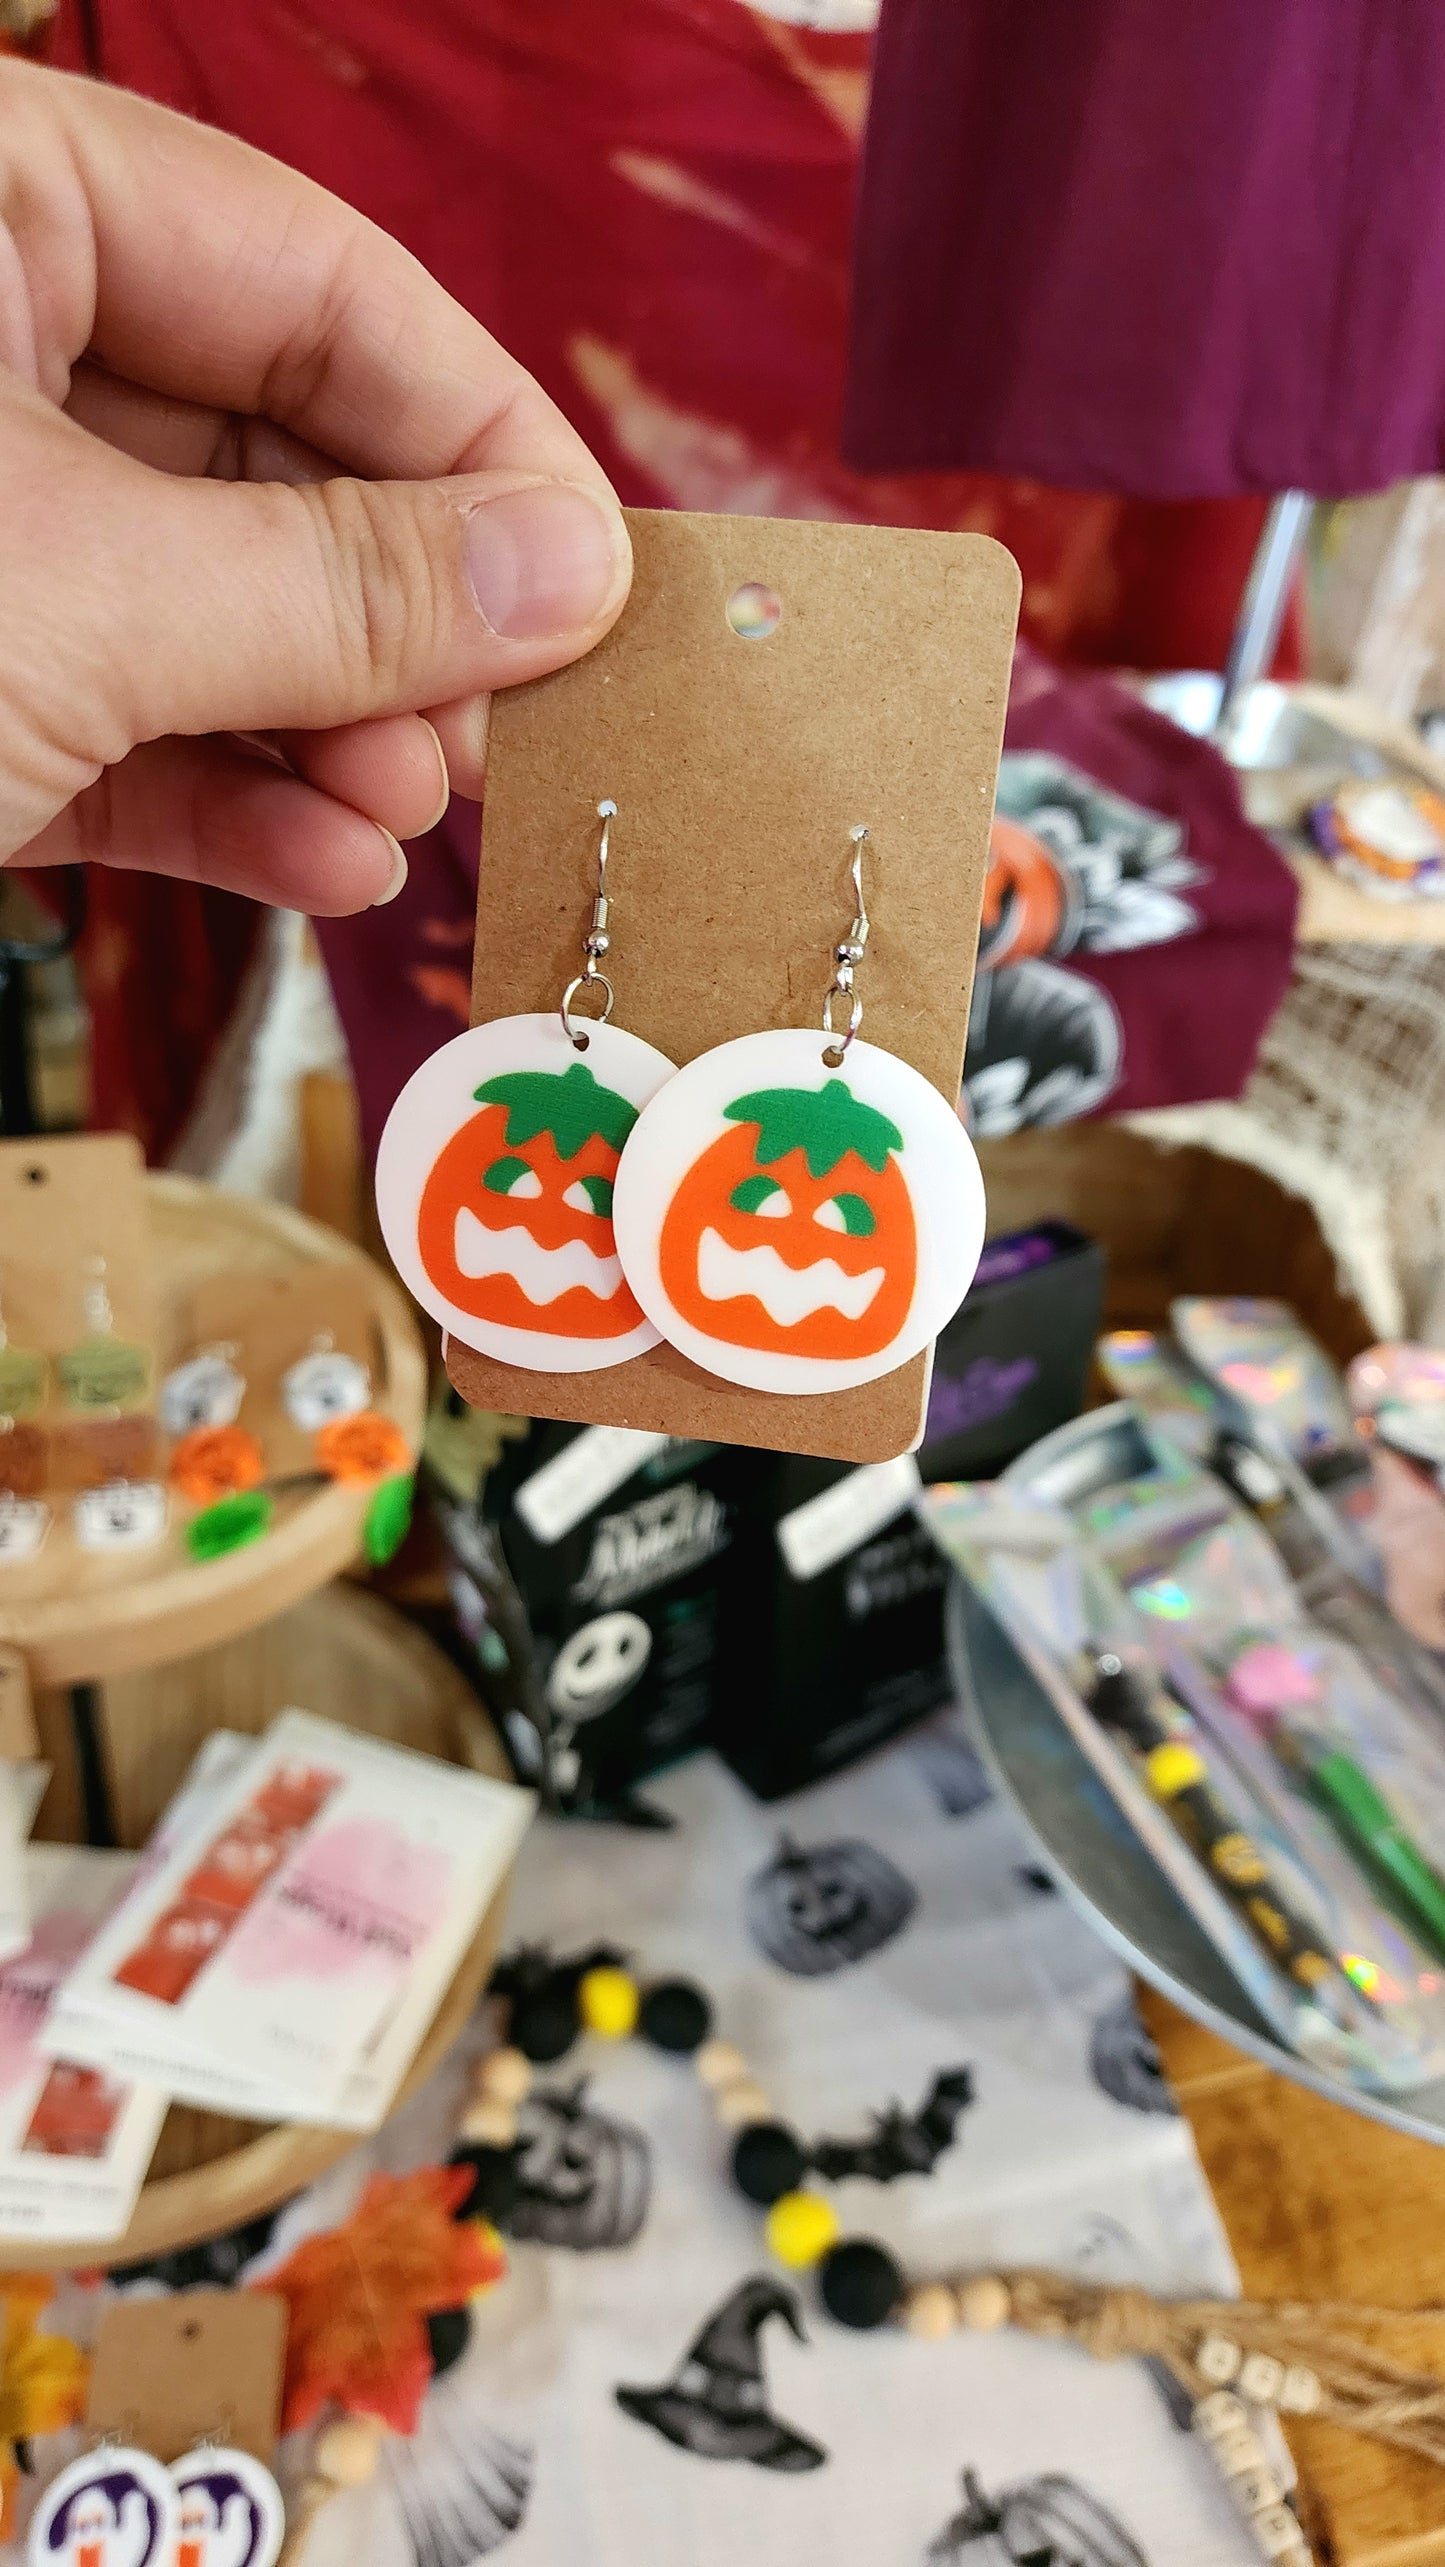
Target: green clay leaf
<point x="388" y="1518"/>
<point x="229" y="1525"/>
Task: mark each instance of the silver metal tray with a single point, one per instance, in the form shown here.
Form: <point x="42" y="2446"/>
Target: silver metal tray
<point x="1084" y="1842"/>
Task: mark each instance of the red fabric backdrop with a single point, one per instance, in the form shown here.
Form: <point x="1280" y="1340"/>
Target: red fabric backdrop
<point x="650" y="203"/>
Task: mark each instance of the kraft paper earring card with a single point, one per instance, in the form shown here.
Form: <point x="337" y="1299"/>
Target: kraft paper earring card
<point x="772" y="689"/>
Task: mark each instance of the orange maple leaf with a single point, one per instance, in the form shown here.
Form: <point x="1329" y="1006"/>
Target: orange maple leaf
<point x="360" y="2296"/>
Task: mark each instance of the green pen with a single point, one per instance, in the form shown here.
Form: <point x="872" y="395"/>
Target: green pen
<point x="1364" y="1817"/>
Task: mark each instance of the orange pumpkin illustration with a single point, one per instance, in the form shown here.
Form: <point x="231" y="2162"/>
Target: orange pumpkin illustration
<point x="515" y="1222"/>
<point x="795" y="1231"/>
<point x="1026" y="897"/>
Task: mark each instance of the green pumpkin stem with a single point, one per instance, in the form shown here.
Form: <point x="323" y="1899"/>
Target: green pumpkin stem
<point x="570" y="1104"/>
<point x="824" y="1123"/>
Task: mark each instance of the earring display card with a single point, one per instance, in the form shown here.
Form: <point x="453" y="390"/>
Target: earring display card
<point x="73" y="1214"/>
<point x="741" y="745"/>
<point x="197" y="2366"/>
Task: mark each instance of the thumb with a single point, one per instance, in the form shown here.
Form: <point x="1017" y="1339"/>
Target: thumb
<point x="257" y="607"/>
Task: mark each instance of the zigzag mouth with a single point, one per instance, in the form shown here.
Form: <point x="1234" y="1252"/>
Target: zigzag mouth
<point x="789" y="1294"/>
<point x="543" y="1274"/>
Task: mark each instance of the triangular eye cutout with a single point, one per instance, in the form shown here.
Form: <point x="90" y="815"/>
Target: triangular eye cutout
<point x="590" y="1194"/>
<point x="761" y="1195"/>
<point x="848" y="1213"/>
<point x="512" y="1176"/>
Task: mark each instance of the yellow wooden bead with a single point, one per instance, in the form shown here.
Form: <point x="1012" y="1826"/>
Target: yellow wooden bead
<point x="741" y="2102"/>
<point x="347" y="2451"/>
<point x="930" y="2312"/>
<point x="983" y="2303"/>
<point x="608" y="2001"/>
<point x="719" y="2063"/>
<point x="505" y="2075"/>
<point x="488" y="2123"/>
<point x="800" y="2229"/>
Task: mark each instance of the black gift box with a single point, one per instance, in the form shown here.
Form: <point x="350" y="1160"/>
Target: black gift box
<point x="1012" y="1362"/>
<point x="827" y="1651"/>
<point x="595" y="1616"/>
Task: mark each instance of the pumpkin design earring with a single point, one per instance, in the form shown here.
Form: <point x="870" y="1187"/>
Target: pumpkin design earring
<point x="500" y="1220"/>
<point x="801" y="1213"/>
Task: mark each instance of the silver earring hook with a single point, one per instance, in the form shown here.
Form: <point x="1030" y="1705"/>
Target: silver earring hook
<point x="595" y="944"/>
<point x="847" y="954"/>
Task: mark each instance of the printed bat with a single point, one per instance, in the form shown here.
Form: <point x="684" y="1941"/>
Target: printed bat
<point x="900" y="2143"/>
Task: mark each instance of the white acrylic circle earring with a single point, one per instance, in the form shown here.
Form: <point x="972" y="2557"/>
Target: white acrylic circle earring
<point x="801" y="1212"/>
<point x="229" y="2509"/>
<point x="495" y="1174"/>
<point x="115" y="2502"/>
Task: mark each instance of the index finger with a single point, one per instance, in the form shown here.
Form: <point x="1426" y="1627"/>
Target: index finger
<point x="220" y="276"/>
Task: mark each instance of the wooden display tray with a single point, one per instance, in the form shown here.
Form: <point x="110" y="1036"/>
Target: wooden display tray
<point x="77" y="1618"/>
<point x="348" y="1658"/>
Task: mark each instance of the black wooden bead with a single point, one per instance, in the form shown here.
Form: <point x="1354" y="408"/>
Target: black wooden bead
<point x="449" y="2332"/>
<point x="495" y="2183"/>
<point x="860" y="2283"/>
<point x="675" y="2015"/>
<point x="767" y="2162"/>
<point x="545" y="2023"/>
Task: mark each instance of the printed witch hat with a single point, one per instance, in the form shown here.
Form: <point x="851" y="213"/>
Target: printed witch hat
<point x="716" y="2404"/>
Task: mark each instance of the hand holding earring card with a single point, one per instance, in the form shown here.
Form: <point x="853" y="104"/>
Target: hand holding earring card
<point x="798" y="725"/>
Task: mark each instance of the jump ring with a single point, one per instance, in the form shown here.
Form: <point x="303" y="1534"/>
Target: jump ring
<point x="840" y="1042"/>
<point x="585" y="980"/>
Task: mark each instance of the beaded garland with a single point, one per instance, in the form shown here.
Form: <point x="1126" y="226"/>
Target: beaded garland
<point x="1215" y="2349"/>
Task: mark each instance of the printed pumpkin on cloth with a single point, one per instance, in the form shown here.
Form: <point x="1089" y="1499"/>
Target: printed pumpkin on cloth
<point x="1138" y="931"/>
<point x="500" y="1220"/>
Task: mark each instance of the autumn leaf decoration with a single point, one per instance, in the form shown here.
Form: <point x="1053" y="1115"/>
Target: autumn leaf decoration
<point x="42" y="2379"/>
<point x="360" y="2297"/>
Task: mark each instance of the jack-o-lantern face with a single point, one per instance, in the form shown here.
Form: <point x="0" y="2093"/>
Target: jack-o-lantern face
<point x="794" y="1232"/>
<point x="515" y="1223"/>
<point x="494" y="1185"/>
<point x="793" y="1229"/>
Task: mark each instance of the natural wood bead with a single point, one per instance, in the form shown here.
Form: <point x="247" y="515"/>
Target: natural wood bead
<point x="983" y="2303"/>
<point x="504" y="2076"/>
<point x="741" y="2102"/>
<point x="488" y="2123"/>
<point x="1299" y="2392"/>
<point x="1261" y="2379"/>
<point x="719" y="2063"/>
<point x="930" y="2311"/>
<point x="346" y="2452"/>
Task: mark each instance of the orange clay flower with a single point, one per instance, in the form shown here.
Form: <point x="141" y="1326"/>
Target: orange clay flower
<point x="216" y="1461"/>
<point x="360" y="1448"/>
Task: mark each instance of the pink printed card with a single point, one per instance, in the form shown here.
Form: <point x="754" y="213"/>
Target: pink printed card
<point x="295" y="1940"/>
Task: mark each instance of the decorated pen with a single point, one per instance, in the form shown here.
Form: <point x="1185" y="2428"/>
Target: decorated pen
<point x="1177" y="1777"/>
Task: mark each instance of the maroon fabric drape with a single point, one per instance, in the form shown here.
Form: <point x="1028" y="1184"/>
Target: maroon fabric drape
<point x="650" y="203"/>
<point x="1176" y="252"/>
